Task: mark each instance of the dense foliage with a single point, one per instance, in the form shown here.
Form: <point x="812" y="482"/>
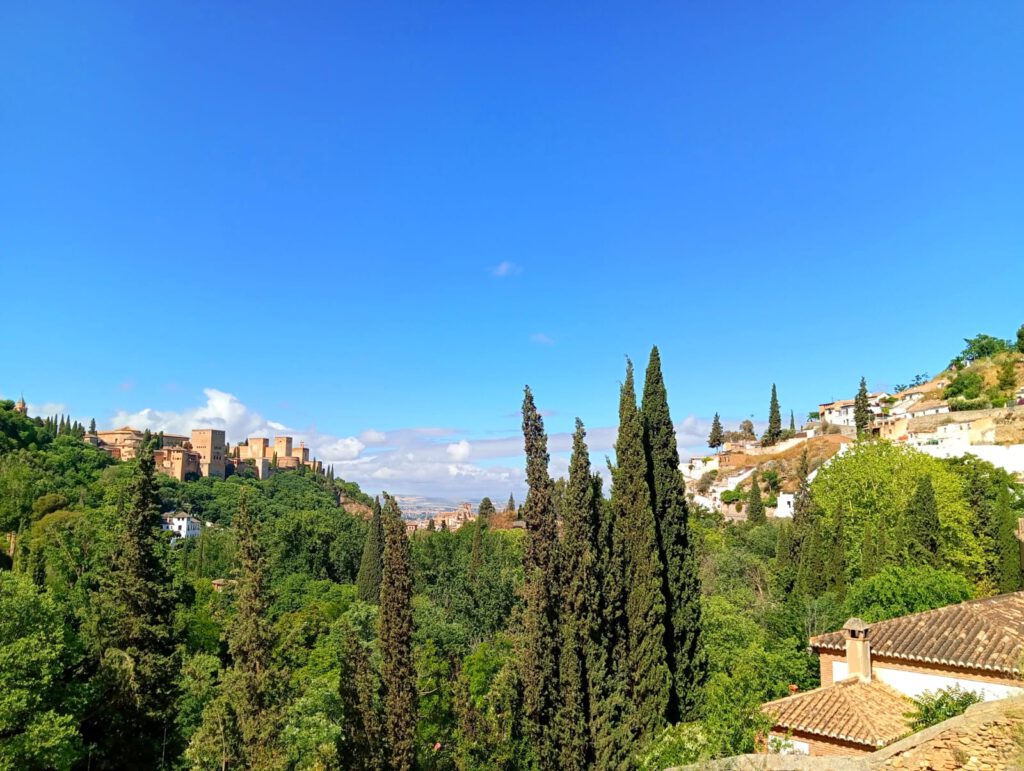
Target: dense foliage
<point x="637" y="631"/>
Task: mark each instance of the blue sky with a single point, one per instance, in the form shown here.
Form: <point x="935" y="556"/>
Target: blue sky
<point x="373" y="224"/>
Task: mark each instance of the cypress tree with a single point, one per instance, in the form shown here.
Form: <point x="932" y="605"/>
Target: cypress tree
<point x="539" y="659"/>
<point x="483" y="517"/>
<point x="135" y="630"/>
<point x="785" y="558"/>
<point x="649" y="675"/>
<point x="774" y="431"/>
<point x="805" y="514"/>
<point x="398" y="673"/>
<point x="511" y="505"/>
<point x="371" y="566"/>
<point x="358" y="688"/>
<point x="717" y="436"/>
<point x="1008" y="545"/>
<point x="792" y="422"/>
<point x="680" y="574"/>
<point x="874" y="550"/>
<point x="811" y="573"/>
<point x="755" y="506"/>
<point x="921" y="524"/>
<point x="613" y="742"/>
<point x="580" y="519"/>
<point x="835" y="561"/>
<point x="862" y="408"/>
<point x="803" y="468"/>
<point x="252" y="685"/>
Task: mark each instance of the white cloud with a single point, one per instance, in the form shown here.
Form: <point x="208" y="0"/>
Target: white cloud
<point x="434" y="461"/>
<point x="504" y="269"/>
<point x="47" y="409"/>
<point x="225" y="411"/>
<point x="343" y="449"/>
<point x="460" y="450"/>
<point x="540" y="337"/>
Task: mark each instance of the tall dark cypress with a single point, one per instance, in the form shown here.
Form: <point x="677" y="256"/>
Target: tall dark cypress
<point x="253" y="683"/>
<point x="609" y="678"/>
<point x="834" y="566"/>
<point x="716" y="436"/>
<point x="483" y="517"/>
<point x="805" y="516"/>
<point x="649" y="677"/>
<point x="921" y="525"/>
<point x="755" y="506"/>
<point x="580" y="521"/>
<point x="1007" y="545"/>
<point x="774" y="431"/>
<point x="511" y="505"/>
<point x="862" y="415"/>
<point x="398" y="672"/>
<point x="358" y="688"/>
<point x="371" y="566"/>
<point x="680" y="575"/>
<point x="135" y="631"/>
<point x="539" y="660"/>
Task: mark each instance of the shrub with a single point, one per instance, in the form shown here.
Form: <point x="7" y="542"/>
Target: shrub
<point x="676" y="745"/>
<point x="967" y="385"/>
<point x="962" y="405"/>
<point x="935" y="706"/>
<point x="731" y="496"/>
<point x="706" y="480"/>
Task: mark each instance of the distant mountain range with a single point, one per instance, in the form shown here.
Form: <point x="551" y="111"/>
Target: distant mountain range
<point x="418" y="506"/>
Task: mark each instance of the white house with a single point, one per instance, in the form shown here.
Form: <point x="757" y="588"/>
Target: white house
<point x="928" y="407"/>
<point x="840" y="413"/>
<point x="870" y="672"/>
<point x="785" y="505"/>
<point x="181" y="525"/>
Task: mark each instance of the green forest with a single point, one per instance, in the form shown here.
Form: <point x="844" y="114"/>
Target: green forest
<point x="623" y="628"/>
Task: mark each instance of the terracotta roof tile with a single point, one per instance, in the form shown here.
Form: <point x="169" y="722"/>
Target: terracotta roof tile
<point x="850" y="710"/>
<point x="983" y="634"/>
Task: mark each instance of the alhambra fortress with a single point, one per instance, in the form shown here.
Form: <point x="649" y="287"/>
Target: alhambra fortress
<point x="206" y="453"/>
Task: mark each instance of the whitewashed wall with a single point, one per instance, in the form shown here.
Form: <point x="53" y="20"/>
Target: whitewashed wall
<point x="913" y="684"/>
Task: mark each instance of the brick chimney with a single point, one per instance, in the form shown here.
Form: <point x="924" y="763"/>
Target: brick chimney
<point x="858" y="650"/>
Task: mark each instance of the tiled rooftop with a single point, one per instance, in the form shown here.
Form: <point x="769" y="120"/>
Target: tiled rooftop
<point x="870" y="713"/>
<point x="983" y="634"/>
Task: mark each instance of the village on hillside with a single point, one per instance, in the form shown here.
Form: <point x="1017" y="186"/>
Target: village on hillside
<point x="944" y="417"/>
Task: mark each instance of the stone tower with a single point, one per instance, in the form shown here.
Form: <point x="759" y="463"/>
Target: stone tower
<point x="20" y="406"/>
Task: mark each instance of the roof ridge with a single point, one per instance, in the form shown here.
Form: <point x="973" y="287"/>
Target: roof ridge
<point x="968" y="605"/>
<point x="869" y="715"/>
